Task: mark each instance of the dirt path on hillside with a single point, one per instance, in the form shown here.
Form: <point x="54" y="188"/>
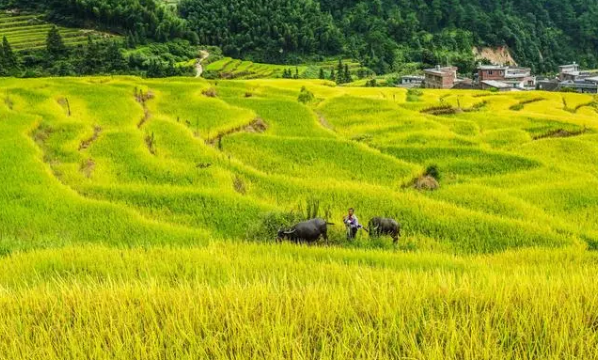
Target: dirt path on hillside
<point x="198" y="66"/>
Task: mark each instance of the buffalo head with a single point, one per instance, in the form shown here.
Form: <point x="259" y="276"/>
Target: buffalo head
<point x="282" y="234"/>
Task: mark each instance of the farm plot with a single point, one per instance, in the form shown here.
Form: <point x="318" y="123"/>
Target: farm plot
<point x="29" y="32"/>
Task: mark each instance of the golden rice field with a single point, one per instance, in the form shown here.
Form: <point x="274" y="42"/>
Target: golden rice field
<point x="136" y="218"/>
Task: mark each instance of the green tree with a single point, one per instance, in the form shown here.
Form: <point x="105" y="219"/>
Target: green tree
<point x="347" y="74"/>
<point x="115" y="60"/>
<point x="54" y="44"/>
<point x="9" y="58"/>
<point x="92" y="62"/>
<point x="322" y="75"/>
<point x="332" y="75"/>
<point x="2" y="67"/>
<point x="340" y="78"/>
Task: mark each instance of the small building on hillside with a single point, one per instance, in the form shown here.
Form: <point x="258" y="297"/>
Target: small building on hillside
<point x="572" y="72"/>
<point x="548" y="85"/>
<point x="587" y="85"/>
<point x="516" y="77"/>
<point x="412" y="81"/>
<point x="569" y="72"/>
<point x="494" y="84"/>
<point x="572" y="78"/>
<point x="463" y="84"/>
<point x="440" y="77"/>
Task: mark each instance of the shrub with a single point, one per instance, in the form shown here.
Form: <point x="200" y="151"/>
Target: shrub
<point x="266" y="229"/>
<point x="211" y="92"/>
<point x="433" y="171"/>
<point x="305" y="96"/>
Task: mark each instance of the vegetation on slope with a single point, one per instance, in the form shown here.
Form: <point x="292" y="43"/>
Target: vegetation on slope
<point x="29" y="32"/>
<point x="182" y="156"/>
<point x="140" y="19"/>
<point x="386" y="34"/>
<point x="46" y="49"/>
<point x="138" y="217"/>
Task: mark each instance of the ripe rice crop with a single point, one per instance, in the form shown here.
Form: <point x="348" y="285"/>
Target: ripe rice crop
<point x="138" y="219"/>
<point x="268" y="301"/>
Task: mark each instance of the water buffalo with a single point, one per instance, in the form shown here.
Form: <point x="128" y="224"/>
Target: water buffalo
<point x="309" y="231"/>
<point x="385" y="226"/>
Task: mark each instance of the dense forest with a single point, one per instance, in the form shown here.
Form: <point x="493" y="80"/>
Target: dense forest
<point x="98" y="56"/>
<point x="384" y="35"/>
<point x="155" y="41"/>
<point x="142" y="19"/>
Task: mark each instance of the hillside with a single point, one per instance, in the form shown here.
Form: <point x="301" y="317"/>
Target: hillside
<point x="138" y="219"/>
<point x="383" y="35"/>
<point x="142" y="161"/>
<point x="386" y="34"/>
<point x="229" y="68"/>
<point x="29" y="32"/>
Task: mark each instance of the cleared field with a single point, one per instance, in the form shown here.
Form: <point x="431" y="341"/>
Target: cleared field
<point x="138" y="219"/>
<point x="27" y="32"/>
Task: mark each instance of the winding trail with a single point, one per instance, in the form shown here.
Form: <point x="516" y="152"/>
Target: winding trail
<point x="198" y="65"/>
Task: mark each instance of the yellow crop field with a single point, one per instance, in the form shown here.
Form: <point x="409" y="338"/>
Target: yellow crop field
<point x="138" y="220"/>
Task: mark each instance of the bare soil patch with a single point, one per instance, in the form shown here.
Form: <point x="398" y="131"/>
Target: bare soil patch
<point x="88" y="167"/>
<point x="87" y="143"/>
<point x="426" y="183"/>
<point x="560" y="133"/>
<point x="258" y="125"/>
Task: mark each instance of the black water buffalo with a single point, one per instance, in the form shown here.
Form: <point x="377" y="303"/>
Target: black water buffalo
<point x="385" y="226"/>
<point x="309" y="231"/>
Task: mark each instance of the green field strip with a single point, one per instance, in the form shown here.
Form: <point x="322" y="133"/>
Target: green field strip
<point x="9" y="18"/>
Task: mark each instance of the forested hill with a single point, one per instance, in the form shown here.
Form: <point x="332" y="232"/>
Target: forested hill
<point x="386" y="33"/>
<point x="382" y="34"/>
<point x="140" y="19"/>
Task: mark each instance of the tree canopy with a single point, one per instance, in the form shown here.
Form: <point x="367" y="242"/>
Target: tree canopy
<point x="383" y="34"/>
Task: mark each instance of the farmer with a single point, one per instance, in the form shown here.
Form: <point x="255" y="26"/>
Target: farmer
<point x="352" y="224"/>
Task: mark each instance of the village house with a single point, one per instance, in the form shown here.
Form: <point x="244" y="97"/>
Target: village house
<point x="494" y="84"/>
<point x="463" y="84"/>
<point x="505" y="77"/>
<point x="411" y="81"/>
<point x="571" y="78"/>
<point x="569" y="72"/>
<point x="440" y="77"/>
<point x="588" y="85"/>
<point x="548" y="84"/>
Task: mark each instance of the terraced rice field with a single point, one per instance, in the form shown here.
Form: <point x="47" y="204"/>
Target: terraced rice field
<point x="172" y="152"/>
<point x="25" y="32"/>
<point x="229" y="68"/>
<point x="138" y="218"/>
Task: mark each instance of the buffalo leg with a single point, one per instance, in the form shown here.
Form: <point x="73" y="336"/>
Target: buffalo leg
<point x="395" y="239"/>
